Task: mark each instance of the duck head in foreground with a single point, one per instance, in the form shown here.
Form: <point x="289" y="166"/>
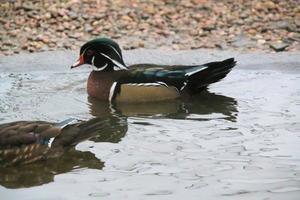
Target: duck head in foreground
<point x="111" y="80"/>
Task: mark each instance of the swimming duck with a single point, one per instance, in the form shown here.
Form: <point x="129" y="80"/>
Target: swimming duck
<point x="112" y="80"/>
<point x="25" y="142"/>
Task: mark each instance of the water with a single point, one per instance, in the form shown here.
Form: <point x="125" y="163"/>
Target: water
<point x="240" y="140"/>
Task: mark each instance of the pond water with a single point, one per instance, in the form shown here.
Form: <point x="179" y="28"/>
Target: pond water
<point x="240" y="140"/>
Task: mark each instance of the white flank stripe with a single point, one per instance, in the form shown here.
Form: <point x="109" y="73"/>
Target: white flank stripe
<point x="112" y="90"/>
<point x="149" y="84"/>
<point x="51" y="141"/>
<point x="115" y="62"/>
<point x="194" y="72"/>
<point x="162" y="83"/>
<point x="184" y="84"/>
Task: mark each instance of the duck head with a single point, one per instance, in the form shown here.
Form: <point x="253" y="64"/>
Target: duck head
<point x="103" y="54"/>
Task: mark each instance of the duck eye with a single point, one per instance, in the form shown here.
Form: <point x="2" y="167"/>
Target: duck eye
<point x="90" y="52"/>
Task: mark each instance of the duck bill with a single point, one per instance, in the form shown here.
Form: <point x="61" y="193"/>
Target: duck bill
<point x="79" y="62"/>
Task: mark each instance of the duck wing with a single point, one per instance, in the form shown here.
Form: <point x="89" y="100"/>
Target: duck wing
<point x="192" y="79"/>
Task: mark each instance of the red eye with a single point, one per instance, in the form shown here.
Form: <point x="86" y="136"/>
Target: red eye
<point x="90" y="52"/>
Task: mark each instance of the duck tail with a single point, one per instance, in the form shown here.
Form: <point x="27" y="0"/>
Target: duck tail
<point x="209" y="73"/>
<point x="72" y="134"/>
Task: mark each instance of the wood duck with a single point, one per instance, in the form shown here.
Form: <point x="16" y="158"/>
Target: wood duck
<point x="111" y="80"/>
<point x="25" y="142"/>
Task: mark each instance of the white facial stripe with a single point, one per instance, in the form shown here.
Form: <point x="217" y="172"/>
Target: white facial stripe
<point x="112" y="91"/>
<point x="114" y="61"/>
<point x="83" y="52"/>
<point x="116" y="51"/>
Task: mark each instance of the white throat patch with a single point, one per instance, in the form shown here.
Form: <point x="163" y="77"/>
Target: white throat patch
<point x="99" y="69"/>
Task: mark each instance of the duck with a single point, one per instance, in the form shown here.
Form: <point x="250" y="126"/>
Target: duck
<point x="26" y="142"/>
<point x="113" y="81"/>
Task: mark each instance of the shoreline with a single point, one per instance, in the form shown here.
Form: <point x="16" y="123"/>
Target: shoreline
<point x="61" y="60"/>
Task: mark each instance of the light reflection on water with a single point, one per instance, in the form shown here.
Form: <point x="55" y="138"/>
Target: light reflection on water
<point x="238" y="141"/>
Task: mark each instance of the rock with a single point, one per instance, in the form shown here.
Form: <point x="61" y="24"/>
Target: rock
<point x="88" y="28"/>
<point x="269" y="5"/>
<point x="152" y="24"/>
<point x="208" y="27"/>
<point x="261" y="41"/>
<point x="252" y="31"/>
<point x="8" y="43"/>
<point x="60" y="28"/>
<point x="24" y="46"/>
<point x="242" y="41"/>
<point x="45" y="39"/>
<point x="73" y="15"/>
<point x="279" y="46"/>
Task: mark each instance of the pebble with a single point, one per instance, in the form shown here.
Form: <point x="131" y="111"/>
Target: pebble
<point x="279" y="46"/>
<point x="176" y="25"/>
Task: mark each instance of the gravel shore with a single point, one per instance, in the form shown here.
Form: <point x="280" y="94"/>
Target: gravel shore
<point x="34" y="26"/>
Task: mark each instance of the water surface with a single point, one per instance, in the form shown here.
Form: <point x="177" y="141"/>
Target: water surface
<point x="240" y="140"/>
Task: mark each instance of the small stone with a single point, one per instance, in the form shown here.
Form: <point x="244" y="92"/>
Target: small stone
<point x="7" y="43"/>
<point x="126" y="18"/>
<point x="52" y="44"/>
<point x="281" y="46"/>
<point x="269" y="5"/>
<point x="141" y="44"/>
<point x="261" y="41"/>
<point x="60" y="28"/>
<point x="252" y="31"/>
<point x="73" y="15"/>
<point x="209" y="27"/>
<point x="24" y="46"/>
<point x="88" y="28"/>
<point x="86" y="17"/>
<point x="47" y="15"/>
<point x="95" y="23"/>
<point x="14" y="33"/>
<point x="259" y="6"/>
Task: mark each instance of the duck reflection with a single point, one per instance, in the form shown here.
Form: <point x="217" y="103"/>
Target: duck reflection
<point x="109" y="125"/>
<point x="38" y="173"/>
<point x="27" y="165"/>
<point x="202" y="105"/>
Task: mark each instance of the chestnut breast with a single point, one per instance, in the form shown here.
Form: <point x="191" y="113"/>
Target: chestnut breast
<point x="99" y="84"/>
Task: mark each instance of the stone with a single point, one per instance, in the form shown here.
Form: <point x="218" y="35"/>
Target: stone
<point x="279" y="46"/>
<point x="153" y="24"/>
<point x="269" y="5"/>
<point x="261" y="41"/>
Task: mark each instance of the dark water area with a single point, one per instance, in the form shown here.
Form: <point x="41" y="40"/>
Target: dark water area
<point x="239" y="140"/>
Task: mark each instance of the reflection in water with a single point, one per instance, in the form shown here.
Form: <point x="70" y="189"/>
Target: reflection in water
<point x="110" y="125"/>
<point x="43" y="172"/>
<point x="109" y="129"/>
<point x="203" y="104"/>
